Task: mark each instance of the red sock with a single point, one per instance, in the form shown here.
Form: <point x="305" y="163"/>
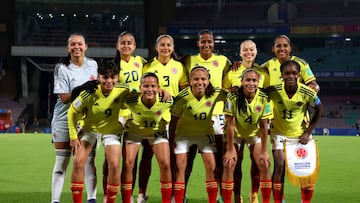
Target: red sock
<point x="126" y="191"/>
<point x="76" y="190"/>
<point x="111" y="191"/>
<point x="179" y="191"/>
<point x="226" y="190"/>
<point x="211" y="189"/>
<point x="306" y="195"/>
<point x="166" y="190"/>
<point x="265" y="187"/>
<point x="278" y="192"/>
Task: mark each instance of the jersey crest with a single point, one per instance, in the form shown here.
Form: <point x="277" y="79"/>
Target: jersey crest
<point x="208" y="104"/>
<point x="258" y="108"/>
<point x="136" y="64"/>
<point x="215" y="63"/>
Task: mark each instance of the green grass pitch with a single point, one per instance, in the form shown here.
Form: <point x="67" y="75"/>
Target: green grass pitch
<point x="26" y="162"/>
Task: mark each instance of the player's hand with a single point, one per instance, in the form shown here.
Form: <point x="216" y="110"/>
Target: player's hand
<point x="75" y="145"/>
<point x="304" y="138"/>
<point x="234" y="89"/>
<point x="264" y="159"/>
<point x="230" y="158"/>
<point x="90" y="86"/>
<point x="235" y="66"/>
<point x="165" y="96"/>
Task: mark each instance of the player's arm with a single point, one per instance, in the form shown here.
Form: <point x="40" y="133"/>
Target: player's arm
<point x="223" y="94"/>
<point x="172" y="130"/>
<point x="226" y="69"/>
<point x="263" y="134"/>
<point x="226" y="84"/>
<point x="143" y="60"/>
<point x="265" y="66"/>
<point x="165" y="96"/>
<point x="74" y="115"/>
<point x="72" y="120"/>
<point x="307" y="75"/>
<point x="318" y="107"/>
<point x="183" y="86"/>
<point x="184" y="82"/>
<point x="227" y="66"/>
<point x="235" y="65"/>
<point x="176" y="112"/>
<point x="313" y="85"/>
<point x="230" y="156"/>
<point x="185" y="60"/>
<point x="89" y="86"/>
<point x="65" y="97"/>
<point x="59" y="83"/>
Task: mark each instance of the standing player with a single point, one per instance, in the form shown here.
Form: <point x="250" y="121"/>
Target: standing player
<point x="131" y="67"/>
<point x="291" y="100"/>
<point x="171" y="73"/>
<point x="172" y="78"/>
<point x="75" y="70"/>
<point x="191" y="125"/>
<point x="93" y="117"/>
<point x="218" y="66"/>
<point x="232" y="81"/>
<point x="130" y="74"/>
<point x="282" y="51"/>
<point x="147" y="123"/>
<point x="247" y="116"/>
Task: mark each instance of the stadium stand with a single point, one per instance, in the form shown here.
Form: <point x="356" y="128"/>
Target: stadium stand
<point x="14" y="107"/>
<point x="340" y="111"/>
<point x="333" y="59"/>
<point x="254" y="13"/>
<point x="310" y="12"/>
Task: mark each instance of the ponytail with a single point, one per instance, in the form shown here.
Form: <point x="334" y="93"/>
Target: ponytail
<point x="117" y="57"/>
<point x="66" y="60"/>
<point x="241" y="100"/>
<point x="209" y="91"/>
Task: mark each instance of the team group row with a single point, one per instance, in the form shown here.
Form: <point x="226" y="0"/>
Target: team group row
<point x="169" y="106"/>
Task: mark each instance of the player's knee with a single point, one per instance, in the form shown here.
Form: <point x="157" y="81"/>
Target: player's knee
<point x="164" y="164"/>
<point x="129" y="164"/>
<point x="114" y="165"/>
